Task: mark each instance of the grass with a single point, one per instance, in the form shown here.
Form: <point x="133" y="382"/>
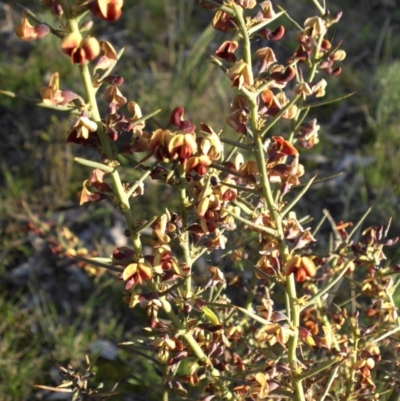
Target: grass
<point x="165" y="52"/>
<point x="21" y="363"/>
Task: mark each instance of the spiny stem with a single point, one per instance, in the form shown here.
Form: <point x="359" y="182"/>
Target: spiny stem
<point x="184" y="241"/>
<point x="278" y="116"/>
<point x="267" y="230"/>
<point x="90" y="163"/>
<point x="117" y="186"/>
<point x="292" y="304"/>
<point x="125" y="208"/>
<point x="190" y="340"/>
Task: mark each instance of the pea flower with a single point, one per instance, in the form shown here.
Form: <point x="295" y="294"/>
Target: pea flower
<point x="52" y="95"/>
<point x="314" y="27"/>
<point x="176" y="118"/>
<point x="301" y="266"/>
<point x="54" y="6"/>
<point x="136" y="273"/>
<point x="266" y="13"/>
<point x="227" y="51"/>
<point x="113" y="96"/>
<point x="109" y="10"/>
<point x="80" y="50"/>
<point x="81" y="129"/>
<point x="108" y="56"/>
<point x="223" y="22"/>
<point x="25" y="31"/>
<point x="240" y="74"/>
<point x="266" y="58"/>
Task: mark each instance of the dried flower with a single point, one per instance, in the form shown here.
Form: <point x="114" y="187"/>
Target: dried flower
<point x="226" y="51"/>
<point x="314" y="27"/>
<point x="240" y="74"/>
<point x="223" y="22"/>
<point x="266" y="58"/>
<point x="114" y="98"/>
<point x="25" y="31"/>
<point x="52" y="95"/>
<point x="108" y="56"/>
<point x="81" y="127"/>
<point x="176" y="119"/>
<point x="266" y="13"/>
<point x="319" y="88"/>
<point x="308" y="135"/>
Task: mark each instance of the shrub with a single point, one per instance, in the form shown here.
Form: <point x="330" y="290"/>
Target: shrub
<point x="240" y="302"/>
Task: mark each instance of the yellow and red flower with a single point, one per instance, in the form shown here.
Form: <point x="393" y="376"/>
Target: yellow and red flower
<point x="80" y="50"/>
<point x="109" y="10"/>
<point x="301" y="266"/>
<point x="137" y="272"/>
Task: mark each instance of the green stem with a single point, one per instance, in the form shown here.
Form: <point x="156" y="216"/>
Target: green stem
<point x="352" y="375"/>
<point x="385" y="335"/>
<point x="97" y="262"/>
<point x="294" y="339"/>
<point x="195" y="347"/>
<point x="315" y="59"/>
<point x="263" y="24"/>
<point x="251" y="292"/>
<point x="135" y="186"/>
<point x="143" y="227"/>
<point x="264" y="132"/>
<point x="217" y="5"/>
<point x="320" y="368"/>
<point x="358" y="225"/>
<point x="292" y="304"/>
<point x="246" y="38"/>
<point x="320" y="8"/>
<point x="329" y="384"/>
<point x="165" y="392"/>
<point x="268" y="230"/>
<point x="325" y="102"/>
<point x="236" y="144"/>
<point x="119" y="191"/>
<point x="319" y="294"/>
<point x="92" y="164"/>
<point x="184" y="239"/>
<point x="290" y="205"/>
<point x="94" y="110"/>
<point x="225" y="170"/>
<point x="38" y="102"/>
<point x="91" y="96"/>
<point x="241" y="188"/>
<point x="243" y="207"/>
<point x="289" y="18"/>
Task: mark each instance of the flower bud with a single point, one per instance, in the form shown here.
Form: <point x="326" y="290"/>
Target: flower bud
<point x="86" y="26"/>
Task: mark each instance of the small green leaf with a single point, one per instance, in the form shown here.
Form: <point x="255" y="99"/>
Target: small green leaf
<point x="211" y="316"/>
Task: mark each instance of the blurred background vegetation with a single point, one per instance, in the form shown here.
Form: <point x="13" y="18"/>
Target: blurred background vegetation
<point x="51" y="309"/>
